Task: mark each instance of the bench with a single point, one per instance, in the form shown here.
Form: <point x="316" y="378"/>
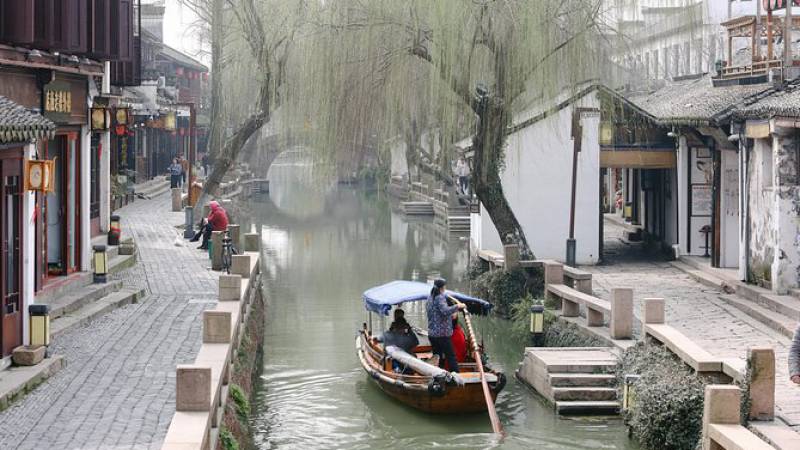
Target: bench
<point x="735" y="437"/>
<point x="619" y="308"/>
<point x="573" y="277"/>
<point x="571" y="300"/>
<point x="692" y="354"/>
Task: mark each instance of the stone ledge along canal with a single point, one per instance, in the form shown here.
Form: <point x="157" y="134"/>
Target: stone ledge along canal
<point x="324" y="245"/>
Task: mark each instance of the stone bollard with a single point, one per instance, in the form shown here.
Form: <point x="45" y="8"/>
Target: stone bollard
<point x="653" y="311"/>
<point x="216" y="327"/>
<point x="216" y="250"/>
<point x="176" y="199"/>
<point x="621" y="323"/>
<point x="240" y="265"/>
<point x="720" y="406"/>
<point x="236" y="236"/>
<point x="230" y="288"/>
<point x="192" y="388"/>
<point x="584" y="286"/>
<point x="761" y="365"/>
<point x="188" y="231"/>
<point x="511" y="256"/>
<point x="252" y="242"/>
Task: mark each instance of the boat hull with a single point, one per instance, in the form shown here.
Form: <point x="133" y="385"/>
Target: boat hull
<point x="452" y="399"/>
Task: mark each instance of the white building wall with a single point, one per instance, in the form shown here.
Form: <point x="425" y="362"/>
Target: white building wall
<point x="28" y="249"/>
<point x="786" y="204"/>
<point x="762" y="227"/>
<point x="85" y="191"/>
<point x="537" y="185"/>
<point x="729" y="209"/>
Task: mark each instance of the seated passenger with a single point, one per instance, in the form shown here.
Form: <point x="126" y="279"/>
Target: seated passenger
<point x="400" y="333"/>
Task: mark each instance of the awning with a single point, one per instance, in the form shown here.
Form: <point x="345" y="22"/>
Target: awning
<point x="18" y="124"/>
<point x="637" y="157"/>
<point x="380" y="299"/>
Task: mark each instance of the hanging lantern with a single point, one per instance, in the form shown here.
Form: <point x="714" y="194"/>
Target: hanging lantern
<point x="100" y="119"/>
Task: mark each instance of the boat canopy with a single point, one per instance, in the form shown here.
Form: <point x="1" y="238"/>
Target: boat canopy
<point x="380" y="299"/>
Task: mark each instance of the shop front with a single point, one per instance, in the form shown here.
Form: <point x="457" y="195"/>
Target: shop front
<point x="59" y="218"/>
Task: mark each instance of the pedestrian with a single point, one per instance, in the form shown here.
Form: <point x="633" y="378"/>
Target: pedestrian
<point x="174" y="170"/>
<point x="184" y="170"/>
<point x="440" y="325"/>
<point x="462" y="172"/>
<point x="794" y="357"/>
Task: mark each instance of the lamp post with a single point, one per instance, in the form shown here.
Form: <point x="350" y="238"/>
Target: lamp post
<point x="100" y="264"/>
<point x="537" y="324"/>
<point x="39" y="325"/>
<point x="114" y="231"/>
<point x="629" y="391"/>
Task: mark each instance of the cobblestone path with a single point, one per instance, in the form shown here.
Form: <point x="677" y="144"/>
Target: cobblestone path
<point x="118" y="387"/>
<point x="696" y="310"/>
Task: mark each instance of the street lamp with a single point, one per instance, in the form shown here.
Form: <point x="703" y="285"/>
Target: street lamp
<point x="39" y="325"/>
<point x="114" y="231"/>
<point x="537" y="324"/>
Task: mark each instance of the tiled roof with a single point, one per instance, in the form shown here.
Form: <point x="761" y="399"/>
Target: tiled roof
<point x="17" y="124"/>
<point x="785" y="103"/>
<point x="696" y="102"/>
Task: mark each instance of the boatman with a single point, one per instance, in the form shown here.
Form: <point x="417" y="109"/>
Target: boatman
<point x="440" y="325"/>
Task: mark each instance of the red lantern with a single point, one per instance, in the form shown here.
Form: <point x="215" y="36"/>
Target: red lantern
<point x="179" y="71"/>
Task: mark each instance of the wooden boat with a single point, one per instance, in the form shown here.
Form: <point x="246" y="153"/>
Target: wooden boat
<point x="422" y="385"/>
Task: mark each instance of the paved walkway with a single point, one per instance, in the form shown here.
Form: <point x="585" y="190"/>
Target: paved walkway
<point x="695" y="309"/>
<point x="118" y="388"/>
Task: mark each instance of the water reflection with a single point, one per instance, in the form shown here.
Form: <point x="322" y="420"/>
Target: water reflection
<point x="323" y="248"/>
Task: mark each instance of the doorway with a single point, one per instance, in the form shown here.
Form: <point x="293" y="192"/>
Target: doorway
<point x="10" y="250"/>
<point x="60" y="208"/>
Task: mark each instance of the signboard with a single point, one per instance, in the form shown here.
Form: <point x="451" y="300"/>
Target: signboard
<point x="169" y="121"/>
<point x="58" y="101"/>
<point x="701" y="200"/>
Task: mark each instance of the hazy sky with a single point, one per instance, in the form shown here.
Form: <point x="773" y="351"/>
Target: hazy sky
<point x="176" y="21"/>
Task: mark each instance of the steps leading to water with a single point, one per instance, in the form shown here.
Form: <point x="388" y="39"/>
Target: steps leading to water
<point x="417" y="208"/>
<point x="576" y="380"/>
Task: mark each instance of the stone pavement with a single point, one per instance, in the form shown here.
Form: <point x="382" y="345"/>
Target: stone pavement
<point x="694" y="309"/>
<point x="118" y="387"/>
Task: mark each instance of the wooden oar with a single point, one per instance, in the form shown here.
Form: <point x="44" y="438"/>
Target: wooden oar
<point x="497" y="427"/>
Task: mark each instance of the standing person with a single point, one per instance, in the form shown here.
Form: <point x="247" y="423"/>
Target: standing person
<point x="204" y="163"/>
<point x="217" y="220"/>
<point x="184" y="169"/>
<point x="462" y="172"/>
<point x="440" y="325"/>
<point x="174" y="170"/>
<point x="794" y="357"/>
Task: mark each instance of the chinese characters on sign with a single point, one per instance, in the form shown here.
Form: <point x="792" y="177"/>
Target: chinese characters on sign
<point x="58" y="102"/>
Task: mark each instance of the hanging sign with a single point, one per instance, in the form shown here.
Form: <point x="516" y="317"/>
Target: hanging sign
<point x="57" y="100"/>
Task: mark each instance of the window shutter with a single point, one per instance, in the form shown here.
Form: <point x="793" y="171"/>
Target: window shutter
<point x="16" y="21"/>
<point x="100" y="28"/>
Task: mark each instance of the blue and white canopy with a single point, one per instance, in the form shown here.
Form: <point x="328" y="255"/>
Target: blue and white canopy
<point x="380" y="299"/>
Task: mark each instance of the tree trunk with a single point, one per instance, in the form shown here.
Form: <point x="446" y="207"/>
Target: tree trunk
<point x="489" y="147"/>
<point x="217" y="40"/>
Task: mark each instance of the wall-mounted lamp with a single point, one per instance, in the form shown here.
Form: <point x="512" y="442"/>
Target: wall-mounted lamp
<point x="629" y="391"/>
<point x="537" y="324"/>
<point x="100" y="263"/>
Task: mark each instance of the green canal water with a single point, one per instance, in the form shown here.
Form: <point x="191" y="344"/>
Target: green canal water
<point x="324" y="245"/>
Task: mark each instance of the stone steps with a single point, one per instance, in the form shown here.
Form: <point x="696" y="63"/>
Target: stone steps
<point x="777" y="321"/>
<point x="576" y="380"/>
<point x="66" y="304"/>
<point x="584" y="394"/>
<point x="607" y="408"/>
<point x="95" y="309"/>
<point x="418" y="208"/>
<point x="582" y="380"/>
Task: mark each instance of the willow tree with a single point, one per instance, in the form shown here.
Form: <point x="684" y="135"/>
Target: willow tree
<point x="482" y="61"/>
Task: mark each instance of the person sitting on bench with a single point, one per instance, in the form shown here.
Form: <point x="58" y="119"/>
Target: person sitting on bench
<point x="217" y="220"/>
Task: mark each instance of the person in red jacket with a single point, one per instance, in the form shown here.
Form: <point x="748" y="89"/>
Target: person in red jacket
<point x="217" y="220"/>
<point x="459" y="340"/>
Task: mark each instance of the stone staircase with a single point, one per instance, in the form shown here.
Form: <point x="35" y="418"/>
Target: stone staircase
<point x="417" y="208"/>
<point x="576" y="380"/>
<point x="458" y="224"/>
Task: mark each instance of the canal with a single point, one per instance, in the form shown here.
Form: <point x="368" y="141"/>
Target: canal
<point x="324" y="245"/>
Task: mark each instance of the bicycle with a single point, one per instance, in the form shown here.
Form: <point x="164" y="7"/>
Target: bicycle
<point x="228" y="250"/>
